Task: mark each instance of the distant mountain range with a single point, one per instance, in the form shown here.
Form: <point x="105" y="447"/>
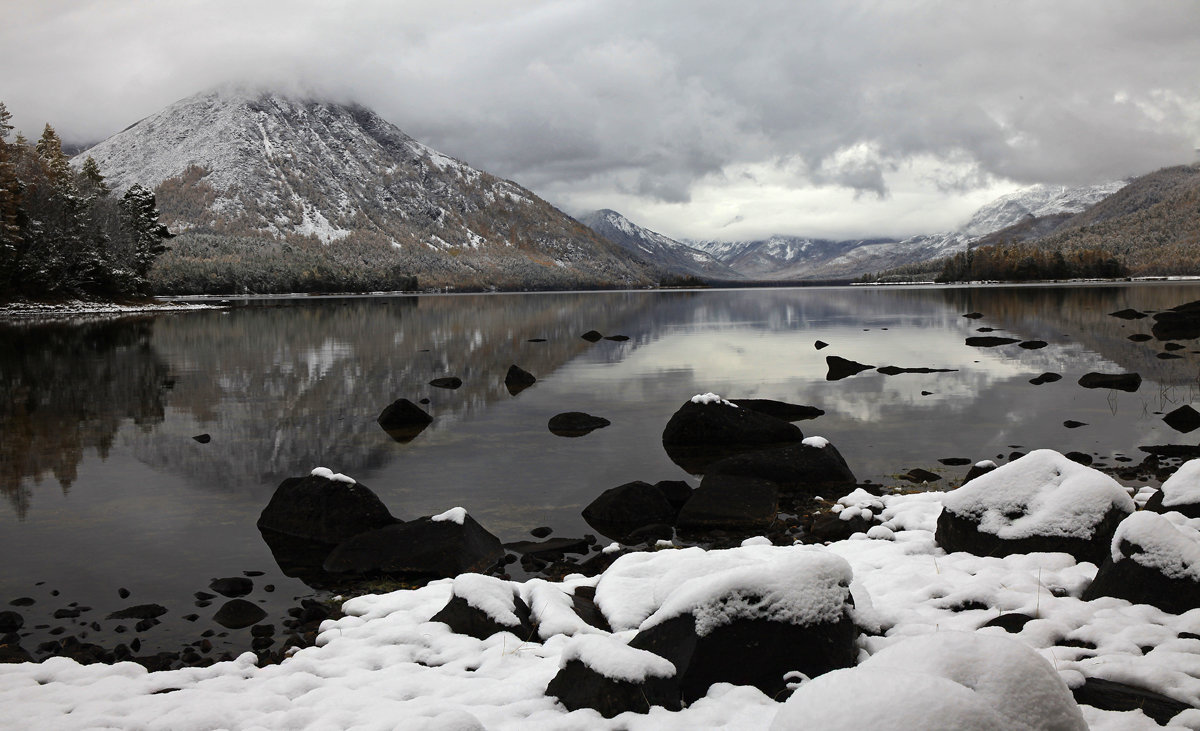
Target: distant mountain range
<point x="237" y="162"/>
<point x="666" y="255"/>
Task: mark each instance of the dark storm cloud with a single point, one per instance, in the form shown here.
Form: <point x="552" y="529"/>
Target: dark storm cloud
<point x="653" y="102"/>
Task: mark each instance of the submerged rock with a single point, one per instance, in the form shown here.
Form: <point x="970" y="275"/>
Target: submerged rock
<point x="517" y="380"/>
<point x="232" y="586"/>
<point x="840" y="368"/>
<point x="1119" y="381"/>
<point x="778" y="409"/>
<point x="449" y="382"/>
<point x="403" y="420"/>
<point x="620" y="510"/>
<point x="575" y="424"/>
<point x="238" y="614"/>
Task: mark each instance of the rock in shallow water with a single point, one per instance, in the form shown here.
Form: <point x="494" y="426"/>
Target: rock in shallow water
<point x="430" y="546"/>
<point x="324" y="510"/>
<point x="575" y="424"/>
<point x="403" y="420"/>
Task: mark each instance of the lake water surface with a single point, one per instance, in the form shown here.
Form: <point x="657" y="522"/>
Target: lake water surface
<point x="105" y="487"/>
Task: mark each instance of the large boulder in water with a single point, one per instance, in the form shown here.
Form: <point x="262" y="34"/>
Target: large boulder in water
<point x="518" y="379"/>
<point x="1042" y="502"/>
<point x="812" y="464"/>
<point x="943" y="681"/>
<point x="729" y="502"/>
<point x="708" y="427"/>
<point x="323" y="507"/>
<point x="778" y="409"/>
<point x="1178" y="323"/>
<point x="1155" y="560"/>
<point x="442" y="545"/>
<point x="620" y="510"/>
<point x="403" y="420"/>
<point x="1128" y="382"/>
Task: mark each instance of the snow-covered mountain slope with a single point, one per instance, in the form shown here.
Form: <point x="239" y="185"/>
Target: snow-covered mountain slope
<point x="797" y="258"/>
<point x="665" y="254"/>
<point x="249" y="162"/>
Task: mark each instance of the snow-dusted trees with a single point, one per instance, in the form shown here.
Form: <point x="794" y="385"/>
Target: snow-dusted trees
<point x="63" y="233"/>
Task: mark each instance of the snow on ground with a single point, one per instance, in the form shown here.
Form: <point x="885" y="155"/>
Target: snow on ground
<point x="386" y="666"/>
<point x="73" y="308"/>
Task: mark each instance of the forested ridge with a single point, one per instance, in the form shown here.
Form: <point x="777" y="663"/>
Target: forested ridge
<point x="63" y="232"/>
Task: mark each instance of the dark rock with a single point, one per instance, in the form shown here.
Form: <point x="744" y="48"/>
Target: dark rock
<point x="203" y="438"/>
<point x="729" y="502"/>
<point x="840" y="368"/>
<point x="577" y="686"/>
<point x="1009" y="622"/>
<point x="973" y="315"/>
<point x="239" y="613"/>
<point x="897" y="370"/>
<point x="1127" y="579"/>
<point x="424" y="402"/>
<point x="985" y="329"/>
<point x="1178" y="323"/>
<point x="204" y="595"/>
<point x="1128" y="314"/>
<point x="146" y="624"/>
<point x="1033" y="344"/>
<point x="1118" y="381"/>
<point x="1108" y="695"/>
<point x="14" y="653"/>
<point x="518" y="379"/>
<point x="123" y="593"/>
<point x="620" y="510"/>
<point x="1178" y="451"/>
<point x="575" y="424"/>
<point x="989" y="341"/>
<point x="820" y="344"/>
<point x="1184" y="419"/>
<point x="592" y="336"/>
<point x="583" y="602"/>
<point x="262" y="630"/>
<point x="423" y="547"/>
<point x="1173" y="346"/>
<point x="23" y="601"/>
<point x="701" y="433"/>
<point x="541" y="531"/>
<point x="958" y="533"/>
<point x="323" y="510"/>
<point x="795" y="467"/>
<point x="1140" y="337"/>
<point x="139" y="611"/>
<point x="232" y="586"/>
<point x="11" y="622"/>
<point x="955" y="461"/>
<point x="464" y="619"/>
<point x="1072" y="424"/>
<point x="448" y="382"/>
<point x="66" y="613"/>
<point x="403" y="420"/>
<point x="617" y="338"/>
<point x="918" y="476"/>
<point x="830" y="527"/>
<point x="551" y="549"/>
<point x="1168" y="356"/>
<point x="1079" y="457"/>
<point x="536" y="340"/>
<point x="677" y="492"/>
<point x="253" y="573"/>
<point x="779" y="409"/>
<point x="1045" y="378"/>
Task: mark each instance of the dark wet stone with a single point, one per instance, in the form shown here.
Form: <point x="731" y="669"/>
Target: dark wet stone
<point x="551" y="549"/>
<point x="1184" y="419"/>
<point x="203" y="438"/>
<point x="464" y="619"/>
<point x="577" y="686"/>
<point x="1168" y="356"/>
<point x="927" y="393"/>
<point x="422" y="547"/>
<point x="123" y="593"/>
<point x="973" y="315"/>
<point x="262" y="630"/>
<point x="575" y="424"/>
<point x="238" y="614"/>
<point x="1128" y="314"/>
<point x="139" y="611"/>
<point x="69" y="614"/>
<point x="541" y="531"/>
<point x="232" y="586"/>
<point x="617" y="338"/>
<point x="701" y="433"/>
<point x="448" y="382"/>
<point x="424" y="402"/>
<point x="146" y="624"/>
<point x="918" y="476"/>
<point x="897" y="370"/>
<point x="204" y="596"/>
<point x="840" y="368"/>
<point x="583" y="602"/>
<point x="403" y="420"/>
<point x="820" y="344"/>
<point x="990" y="341"/>
<point x="11" y="622"/>
<point x="1140" y="337"/>
<point x="729" y="502"/>
<point x="677" y="492"/>
<point x="622" y="508"/>
<point x="1178" y="451"/>
<point x="778" y="409"/>
<point x="1079" y="457"/>
<point x="977" y="469"/>
<point x="1015" y="455"/>
<point x="1108" y="695"/>
<point x="1173" y="346"/>
<point x="322" y="510"/>
<point x="1072" y="424"/>
<point x="191" y="617"/>
<point x="252" y="573"/>
<point x="23" y="601"/>
<point x="14" y="653"/>
<point x="795" y="467"/>
<point x="1009" y="622"/>
<point x="592" y="336"/>
<point x="517" y="380"/>
<point x="1033" y="344"/>
<point x="1178" y="323"/>
<point x="536" y="340"/>
<point x="955" y="461"/>
<point x="1045" y="378"/>
<point x="1128" y="382"/>
<point x="830" y="527"/>
<point x="985" y="329"/>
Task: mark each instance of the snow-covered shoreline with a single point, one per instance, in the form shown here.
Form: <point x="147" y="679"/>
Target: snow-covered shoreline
<point x="385" y="665"/>
<point x="46" y="311"/>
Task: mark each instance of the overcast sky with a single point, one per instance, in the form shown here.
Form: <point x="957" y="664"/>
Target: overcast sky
<point x="727" y="120"/>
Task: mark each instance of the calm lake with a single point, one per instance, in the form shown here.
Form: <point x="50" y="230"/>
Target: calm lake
<point x="105" y="487"/>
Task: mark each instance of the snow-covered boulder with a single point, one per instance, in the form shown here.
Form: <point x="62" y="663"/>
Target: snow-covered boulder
<point x="324" y="507"/>
<point x="481" y="606"/>
<point x="403" y="420"/>
<point x="1042" y="502"/>
<point x="946" y="681"/>
<point x="442" y="545"/>
<point x="812" y="464"/>
<point x="856" y="512"/>
<point x="708" y="427"/>
<point x="746" y="616"/>
<point x="1155" y="560"/>
<point x="1181" y="492"/>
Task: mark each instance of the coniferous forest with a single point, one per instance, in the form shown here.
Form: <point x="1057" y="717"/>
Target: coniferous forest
<point x="63" y="232"/>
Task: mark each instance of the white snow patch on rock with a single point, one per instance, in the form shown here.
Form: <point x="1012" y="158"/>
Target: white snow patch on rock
<point x="711" y="398"/>
<point x="1167" y="544"/>
<point x="329" y="474"/>
<point x="453" y="515"/>
<point x="818" y="442"/>
<point x="616" y="660"/>
<point x="490" y="595"/>
<point x="1183" y="487"/>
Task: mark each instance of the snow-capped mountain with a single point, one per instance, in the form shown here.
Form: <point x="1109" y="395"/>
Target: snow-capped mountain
<point x="247" y="162"/>
<point x="797" y="258"/>
<point x="665" y="254"/>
